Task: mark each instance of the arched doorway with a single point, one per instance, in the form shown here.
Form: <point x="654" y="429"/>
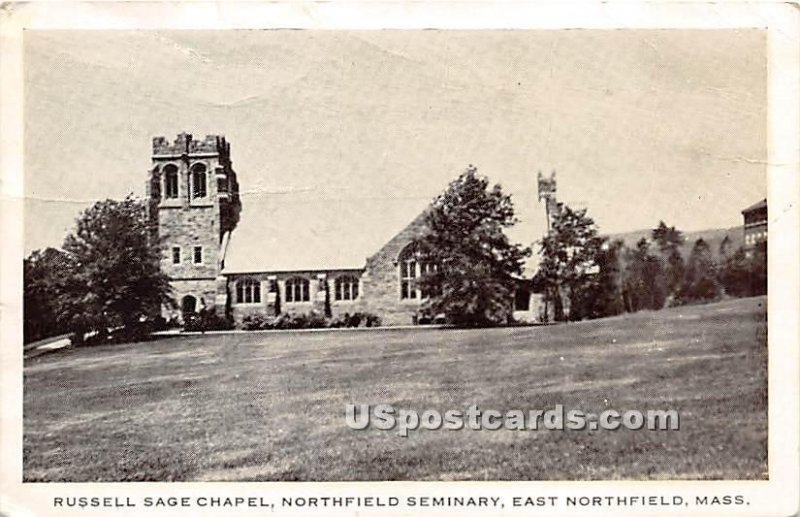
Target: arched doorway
<point x="188" y="306"/>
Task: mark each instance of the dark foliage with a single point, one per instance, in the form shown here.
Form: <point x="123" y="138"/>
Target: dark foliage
<point x="644" y="285"/>
<point x="45" y="279"/>
<point x="745" y="274"/>
<point x="603" y="295"/>
<point x="107" y="276"/>
<point x="570" y="266"/>
<point x="475" y="265"/>
<point x="700" y="280"/>
<point x="311" y="320"/>
<point x="205" y="320"/>
<point x="669" y="241"/>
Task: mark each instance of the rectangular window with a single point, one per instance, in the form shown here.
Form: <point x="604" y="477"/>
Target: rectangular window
<point x="198" y="254"/>
<point x="346" y="288"/>
<point x="248" y="291"/>
<point x="427" y="268"/>
<point x="297" y="290"/>
<point x="408" y="275"/>
<point x="176" y="255"/>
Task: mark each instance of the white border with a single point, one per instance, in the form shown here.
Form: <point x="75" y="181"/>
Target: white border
<point x="778" y="496"/>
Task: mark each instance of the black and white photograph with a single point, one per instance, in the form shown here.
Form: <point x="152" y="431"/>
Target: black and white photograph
<point x="429" y="255"/>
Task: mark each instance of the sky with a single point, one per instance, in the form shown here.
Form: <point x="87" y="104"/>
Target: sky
<point x="639" y="125"/>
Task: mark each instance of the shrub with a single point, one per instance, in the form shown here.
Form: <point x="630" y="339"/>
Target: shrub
<point x="373" y="320"/>
<point x="315" y="320"/>
<point x="353" y="320"/>
<point x="337" y="322"/>
<point x="282" y="322"/>
<point x="311" y="320"/>
<point x="257" y="322"/>
<point x="298" y="321"/>
<point x="426" y="317"/>
<point x="206" y="320"/>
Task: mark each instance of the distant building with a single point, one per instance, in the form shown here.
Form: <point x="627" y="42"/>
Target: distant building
<point x="755" y="224"/>
<point x="283" y="258"/>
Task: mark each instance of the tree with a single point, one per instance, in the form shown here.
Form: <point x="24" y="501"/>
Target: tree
<point x="643" y="286"/>
<point x="745" y="273"/>
<point x="700" y="282"/>
<point x="45" y="275"/>
<point x="115" y="277"/>
<point x="758" y="275"/>
<point x="473" y="265"/>
<point x="669" y="241"/>
<point x="569" y="262"/>
<point x="724" y="249"/>
<point x="605" y="299"/>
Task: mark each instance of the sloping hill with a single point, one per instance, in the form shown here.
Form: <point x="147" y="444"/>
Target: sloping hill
<point x="271" y="406"/>
<point x="712" y="236"/>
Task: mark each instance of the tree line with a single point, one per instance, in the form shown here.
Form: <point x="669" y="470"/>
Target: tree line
<point x="583" y="275"/>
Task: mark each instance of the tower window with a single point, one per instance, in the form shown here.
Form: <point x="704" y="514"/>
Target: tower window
<point x="176" y="255"/>
<point x="198" y="180"/>
<point x="170" y="182"/>
<point x="198" y="254"/>
<point x="297" y="290"/>
<point x="248" y="290"/>
<point x="346" y="288"/>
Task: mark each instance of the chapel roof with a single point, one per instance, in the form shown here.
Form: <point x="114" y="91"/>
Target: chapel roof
<point x="295" y="232"/>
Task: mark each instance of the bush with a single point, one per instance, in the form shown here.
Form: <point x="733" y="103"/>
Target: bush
<point x="373" y="320"/>
<point x="205" y="321"/>
<point x="353" y="320"/>
<point x="257" y="322"/>
<point x="282" y="322"/>
<point x="311" y="320"/>
<point x="338" y="322"/>
<point x="315" y="320"/>
<point x="426" y="317"/>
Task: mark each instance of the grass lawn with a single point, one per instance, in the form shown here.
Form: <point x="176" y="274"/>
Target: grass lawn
<point x="270" y="406"/>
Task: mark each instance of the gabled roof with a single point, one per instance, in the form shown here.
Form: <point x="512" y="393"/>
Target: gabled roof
<point x="757" y="206"/>
<point x="293" y="232"/>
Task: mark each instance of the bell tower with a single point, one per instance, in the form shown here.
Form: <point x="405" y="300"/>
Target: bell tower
<point x="193" y="196"/>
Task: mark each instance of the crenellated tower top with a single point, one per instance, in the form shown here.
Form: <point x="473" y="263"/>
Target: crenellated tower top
<point x="185" y="144"/>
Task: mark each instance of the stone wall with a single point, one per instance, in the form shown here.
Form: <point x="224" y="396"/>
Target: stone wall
<point x="187" y="222"/>
<point x="381" y="278"/>
<point x="185" y="143"/>
<point x="266" y="307"/>
<point x="200" y="289"/>
<point x="379" y="290"/>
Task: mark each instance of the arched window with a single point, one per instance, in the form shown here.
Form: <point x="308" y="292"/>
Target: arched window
<point x="346" y="288"/>
<point x="412" y="265"/>
<point x="170" y="182"/>
<point x="198" y="180"/>
<point x="248" y="290"/>
<point x="297" y="290"/>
